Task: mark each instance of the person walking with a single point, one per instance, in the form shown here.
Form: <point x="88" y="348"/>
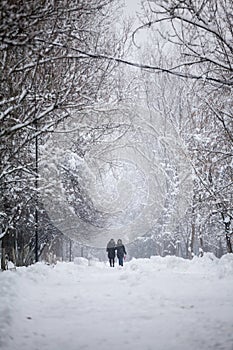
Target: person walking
<point x="120" y="251"/>
<point x="111" y="250"/>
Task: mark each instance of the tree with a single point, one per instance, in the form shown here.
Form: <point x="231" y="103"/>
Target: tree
<point x="44" y="81"/>
<point x="201" y="33"/>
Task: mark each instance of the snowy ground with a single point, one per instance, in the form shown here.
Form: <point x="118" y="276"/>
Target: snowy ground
<point x="158" y="303"/>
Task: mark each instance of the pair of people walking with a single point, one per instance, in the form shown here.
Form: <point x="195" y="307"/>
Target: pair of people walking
<point x="113" y="249"/>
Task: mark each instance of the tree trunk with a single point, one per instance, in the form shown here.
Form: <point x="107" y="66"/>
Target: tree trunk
<point x="191" y="242"/>
<point x="229" y="245"/>
<point x="227" y="222"/>
<point x="3" y="259"/>
<point x="201" y="250"/>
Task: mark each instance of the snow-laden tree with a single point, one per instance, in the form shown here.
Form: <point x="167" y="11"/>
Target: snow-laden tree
<point x="202" y="30"/>
<point x="193" y="40"/>
<point x="44" y="80"/>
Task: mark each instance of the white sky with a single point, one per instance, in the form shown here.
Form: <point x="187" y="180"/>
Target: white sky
<point x="132" y="6"/>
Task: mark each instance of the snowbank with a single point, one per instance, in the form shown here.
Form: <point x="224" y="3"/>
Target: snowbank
<point x="206" y="265"/>
<point x="8" y="287"/>
<point x="46" y="306"/>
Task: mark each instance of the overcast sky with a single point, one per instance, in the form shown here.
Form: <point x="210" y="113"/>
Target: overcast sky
<point x="131" y="6"/>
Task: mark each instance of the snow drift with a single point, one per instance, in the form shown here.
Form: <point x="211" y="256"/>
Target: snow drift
<point x="163" y="303"/>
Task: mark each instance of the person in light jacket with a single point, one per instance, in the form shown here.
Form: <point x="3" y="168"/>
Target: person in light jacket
<point x="121" y="252"/>
<point x="111" y="250"/>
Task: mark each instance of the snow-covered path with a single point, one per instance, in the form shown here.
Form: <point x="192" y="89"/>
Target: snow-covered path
<point x="159" y="303"/>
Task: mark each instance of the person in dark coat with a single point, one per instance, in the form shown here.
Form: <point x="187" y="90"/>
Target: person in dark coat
<point x="111" y="249"/>
<point x="121" y="252"/>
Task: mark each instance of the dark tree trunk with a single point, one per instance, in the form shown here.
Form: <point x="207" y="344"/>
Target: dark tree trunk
<point x="229" y="245"/>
